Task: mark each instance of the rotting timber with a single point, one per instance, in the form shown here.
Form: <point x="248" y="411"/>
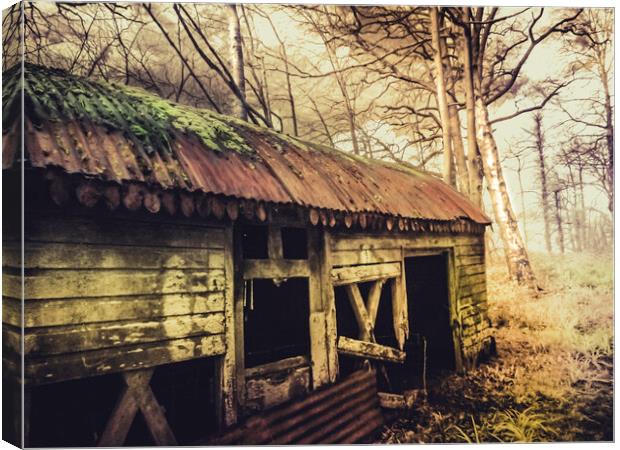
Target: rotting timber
<point x="162" y="239"/>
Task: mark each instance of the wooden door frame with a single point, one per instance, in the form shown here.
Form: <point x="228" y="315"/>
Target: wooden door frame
<point x="451" y="276"/>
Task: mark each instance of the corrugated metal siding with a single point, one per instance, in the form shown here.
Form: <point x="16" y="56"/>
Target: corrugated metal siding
<point x="283" y="171"/>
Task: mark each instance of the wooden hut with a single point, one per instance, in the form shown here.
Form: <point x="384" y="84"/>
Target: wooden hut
<point x="181" y="269"/>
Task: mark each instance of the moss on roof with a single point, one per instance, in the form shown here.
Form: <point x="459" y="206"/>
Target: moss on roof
<point x="150" y="121"/>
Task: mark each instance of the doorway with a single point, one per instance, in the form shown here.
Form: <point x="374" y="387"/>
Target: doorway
<point x="428" y="300"/>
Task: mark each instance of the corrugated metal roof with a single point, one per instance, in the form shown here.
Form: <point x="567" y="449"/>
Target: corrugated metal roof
<point x="281" y="169"/>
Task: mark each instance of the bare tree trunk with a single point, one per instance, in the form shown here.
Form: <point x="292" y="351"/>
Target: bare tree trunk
<point x="323" y="122"/>
<point x="517" y="258"/>
<point x="442" y="98"/>
<point x="289" y="91"/>
<point x="522" y="193"/>
<point x="473" y="155"/>
<point x="609" y="132"/>
<point x="558" y="220"/>
<point x="582" y="209"/>
<point x="236" y="57"/>
<point x="542" y="173"/>
<point x="267" y="98"/>
<point x="462" y="176"/>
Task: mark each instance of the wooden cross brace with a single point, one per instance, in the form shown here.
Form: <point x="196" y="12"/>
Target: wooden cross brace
<point x="137" y="395"/>
<point x="366" y="313"/>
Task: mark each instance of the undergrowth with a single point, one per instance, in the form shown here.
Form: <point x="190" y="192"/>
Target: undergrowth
<point x="552" y="379"/>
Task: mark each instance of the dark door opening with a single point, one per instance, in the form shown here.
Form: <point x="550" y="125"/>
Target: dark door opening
<point x="428" y="302"/>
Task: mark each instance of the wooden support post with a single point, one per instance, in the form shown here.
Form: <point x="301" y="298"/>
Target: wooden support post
<point x="318" y="330"/>
<point x="329" y="305"/>
<point x="239" y="301"/>
<point x="455" y="323"/>
<point x="137" y="395"/>
<point x="227" y="401"/>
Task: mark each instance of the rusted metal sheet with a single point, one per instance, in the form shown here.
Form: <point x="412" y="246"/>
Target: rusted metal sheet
<point x="282" y="171"/>
<point x="345" y="413"/>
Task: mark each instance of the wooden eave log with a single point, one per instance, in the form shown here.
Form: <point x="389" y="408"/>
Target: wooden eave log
<point x="370" y="350"/>
<point x="134" y="195"/>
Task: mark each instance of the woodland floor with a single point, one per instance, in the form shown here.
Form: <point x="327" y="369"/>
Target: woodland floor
<point x="552" y="378"/>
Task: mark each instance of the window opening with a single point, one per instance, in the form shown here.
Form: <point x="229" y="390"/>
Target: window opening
<point x="294" y="243"/>
<point x="254" y="241"/>
<point x="276" y="320"/>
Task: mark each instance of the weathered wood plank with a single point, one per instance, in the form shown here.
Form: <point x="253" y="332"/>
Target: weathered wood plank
<point x="473" y="249"/>
<point x="50" y="255"/>
<point x="272" y="268"/>
<point x="371" y="350"/>
<point x="359" y="274"/>
<point x="271" y="390"/>
<point x="366" y="327"/>
<point x="474" y="269"/>
<point x="98" y="362"/>
<point x="392" y="401"/>
<point x="472" y="279"/>
<point x="48" y="284"/>
<point x="277" y="366"/>
<point x="374" y="295"/>
<point x="66" y="339"/>
<point x="82" y="230"/>
<point x="346" y="242"/>
<point x="472" y="289"/>
<point x="365" y="256"/>
<point x="470" y="260"/>
<point x="43" y="313"/>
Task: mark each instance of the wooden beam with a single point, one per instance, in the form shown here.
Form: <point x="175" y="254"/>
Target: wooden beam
<point x="274" y="243"/>
<point x="392" y="401"/>
<point x="374" y="295"/>
<point x="275" y="268"/>
<point x="277" y="366"/>
<point x="370" y="350"/>
<point x="120" y="420"/>
<point x="360" y="274"/>
<point x="361" y="315"/>
<point x="137" y="395"/>
<point x="139" y="385"/>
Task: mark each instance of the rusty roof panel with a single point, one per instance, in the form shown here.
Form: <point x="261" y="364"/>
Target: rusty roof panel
<point x="280" y="169"/>
<point x="286" y="173"/>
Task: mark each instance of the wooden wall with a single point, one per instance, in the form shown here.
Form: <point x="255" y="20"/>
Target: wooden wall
<point x="468" y="272"/>
<point x="106" y="294"/>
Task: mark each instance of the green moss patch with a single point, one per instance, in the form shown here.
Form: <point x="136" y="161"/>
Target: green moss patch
<point x="148" y="120"/>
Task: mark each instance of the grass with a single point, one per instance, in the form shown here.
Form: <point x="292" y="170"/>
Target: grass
<point x="553" y="377"/>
